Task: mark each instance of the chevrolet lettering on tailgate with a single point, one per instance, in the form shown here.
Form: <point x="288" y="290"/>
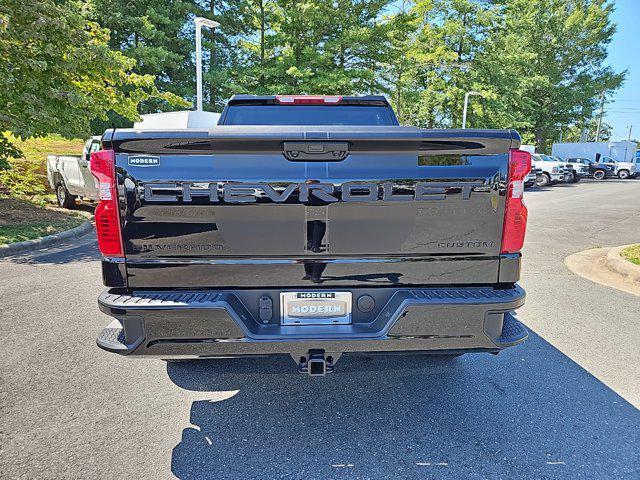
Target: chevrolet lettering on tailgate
<point x="326" y="192"/>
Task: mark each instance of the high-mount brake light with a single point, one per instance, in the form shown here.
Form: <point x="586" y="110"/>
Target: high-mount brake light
<point x="308" y="99"/>
<point x="515" y="214"/>
<point x="106" y="216"/>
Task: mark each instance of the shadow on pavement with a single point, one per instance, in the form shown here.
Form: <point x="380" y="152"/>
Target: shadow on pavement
<point x="549" y="187"/>
<point x="537" y="189"/>
<point x="531" y="412"/>
<point x="83" y="249"/>
<point x="610" y="180"/>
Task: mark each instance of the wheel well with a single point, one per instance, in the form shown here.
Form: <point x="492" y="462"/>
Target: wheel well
<point x="57" y="178"/>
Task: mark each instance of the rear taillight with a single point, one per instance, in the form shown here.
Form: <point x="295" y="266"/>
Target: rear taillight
<point x="308" y="99"/>
<point x="515" y="214"/>
<point x="107" y="217"/>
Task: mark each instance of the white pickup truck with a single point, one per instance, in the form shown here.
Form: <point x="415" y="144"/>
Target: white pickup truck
<point x="70" y="175"/>
<point x="553" y="171"/>
<point x="574" y="171"/>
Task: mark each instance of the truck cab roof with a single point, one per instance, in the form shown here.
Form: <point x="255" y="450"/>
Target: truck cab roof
<point x="370" y="110"/>
<point x="373" y="100"/>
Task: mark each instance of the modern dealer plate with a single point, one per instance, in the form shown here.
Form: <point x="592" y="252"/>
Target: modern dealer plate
<point x="315" y="308"/>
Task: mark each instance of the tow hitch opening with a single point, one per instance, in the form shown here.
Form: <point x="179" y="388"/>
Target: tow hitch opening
<point x="316" y="363"/>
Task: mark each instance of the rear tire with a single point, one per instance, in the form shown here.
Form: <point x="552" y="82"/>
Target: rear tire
<point x="64" y="198"/>
<point x="544" y="181"/>
<point x="623" y="174"/>
<point x="599" y="174"/>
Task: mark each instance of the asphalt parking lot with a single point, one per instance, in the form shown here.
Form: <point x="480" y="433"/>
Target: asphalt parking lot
<point x="563" y="405"/>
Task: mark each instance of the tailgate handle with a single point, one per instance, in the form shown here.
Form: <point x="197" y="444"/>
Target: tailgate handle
<point x="315" y="151"/>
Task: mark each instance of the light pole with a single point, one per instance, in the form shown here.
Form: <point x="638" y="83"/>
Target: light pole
<point x="464" y="110"/>
<point x="200" y="21"/>
<point x="602" y="97"/>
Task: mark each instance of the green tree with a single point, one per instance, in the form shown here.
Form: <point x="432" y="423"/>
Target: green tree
<point x="397" y="69"/>
<point x="158" y="36"/>
<point x="7" y="151"/>
<point x="57" y="72"/>
<point x="574" y="133"/>
<point x="539" y="64"/>
<point x="546" y="67"/>
<point x="225" y="50"/>
<point x="314" y="46"/>
<point x="437" y="59"/>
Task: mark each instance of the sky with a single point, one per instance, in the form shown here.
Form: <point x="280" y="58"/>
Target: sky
<point x="623" y="108"/>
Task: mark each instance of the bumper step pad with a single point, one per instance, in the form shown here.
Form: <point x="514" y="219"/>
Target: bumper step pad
<point x="160" y="299"/>
<point x="112" y="338"/>
<point x="468" y="294"/>
<point x="513" y="332"/>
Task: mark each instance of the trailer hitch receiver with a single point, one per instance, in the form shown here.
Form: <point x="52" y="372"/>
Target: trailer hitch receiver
<point x="316" y="363"/>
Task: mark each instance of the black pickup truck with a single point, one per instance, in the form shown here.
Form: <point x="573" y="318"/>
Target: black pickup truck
<point x="311" y="226"/>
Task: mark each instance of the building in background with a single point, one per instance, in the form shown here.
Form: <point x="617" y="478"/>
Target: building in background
<point x="622" y="151"/>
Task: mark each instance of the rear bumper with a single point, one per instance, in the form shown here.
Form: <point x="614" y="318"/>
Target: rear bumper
<point x="218" y="323"/>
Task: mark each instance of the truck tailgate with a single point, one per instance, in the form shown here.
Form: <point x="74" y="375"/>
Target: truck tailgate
<point x="300" y="206"/>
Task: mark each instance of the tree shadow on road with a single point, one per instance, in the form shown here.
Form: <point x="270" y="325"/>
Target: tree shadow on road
<point x="530" y="412"/>
<point x="83" y="249"/>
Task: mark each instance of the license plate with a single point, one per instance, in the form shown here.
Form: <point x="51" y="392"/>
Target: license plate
<point x="315" y="308"/>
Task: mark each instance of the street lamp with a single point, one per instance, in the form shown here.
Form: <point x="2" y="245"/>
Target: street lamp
<point x="464" y="110"/>
<point x="200" y="22"/>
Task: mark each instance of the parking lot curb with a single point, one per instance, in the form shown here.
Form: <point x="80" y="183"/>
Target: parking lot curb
<point x="29" y="245"/>
<point x="616" y="263"/>
<point x="592" y="265"/>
